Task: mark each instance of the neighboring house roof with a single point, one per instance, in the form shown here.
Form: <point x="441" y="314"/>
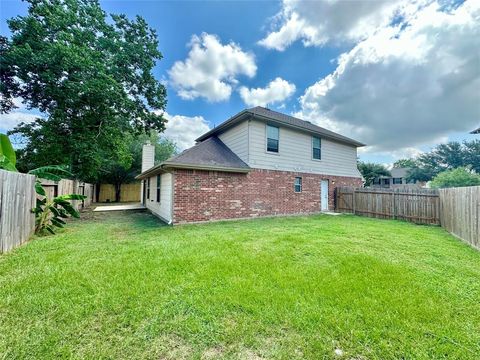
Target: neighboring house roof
<point x="282" y="119"/>
<point x="476" y="131"/>
<point x="396" y="173"/>
<point x="211" y="154"/>
<point x="399" y="172"/>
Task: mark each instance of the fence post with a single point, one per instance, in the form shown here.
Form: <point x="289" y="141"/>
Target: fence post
<point x="393" y="204"/>
<point x="353" y="200"/>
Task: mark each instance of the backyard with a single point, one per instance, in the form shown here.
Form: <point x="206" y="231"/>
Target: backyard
<point x="123" y="286"/>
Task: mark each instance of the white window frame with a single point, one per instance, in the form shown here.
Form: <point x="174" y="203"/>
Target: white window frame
<point x="313" y="139"/>
<point x="266" y="140"/>
<point x="299" y="184"/>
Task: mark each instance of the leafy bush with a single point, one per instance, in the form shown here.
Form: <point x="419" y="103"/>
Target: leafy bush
<point x="455" y="178"/>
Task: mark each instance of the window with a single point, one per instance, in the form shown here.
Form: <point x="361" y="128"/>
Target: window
<point x="272" y="138"/>
<point x="376" y="181"/>
<point x="159" y="182"/>
<point x="386" y="181"/>
<point x="397" y="181"/>
<point x="298" y="184"/>
<point x="316" y="144"/>
<point x="148" y="188"/>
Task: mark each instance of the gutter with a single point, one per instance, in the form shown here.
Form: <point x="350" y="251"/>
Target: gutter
<point x="166" y="166"/>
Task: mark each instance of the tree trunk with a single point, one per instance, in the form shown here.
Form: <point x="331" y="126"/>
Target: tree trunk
<point x="97" y="191"/>
<point x="118" y="190"/>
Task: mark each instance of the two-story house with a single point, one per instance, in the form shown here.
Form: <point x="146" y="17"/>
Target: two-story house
<point x="257" y="163"/>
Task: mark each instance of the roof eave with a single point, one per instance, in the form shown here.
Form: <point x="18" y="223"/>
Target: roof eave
<point x="151" y="172"/>
<point x="225" y="125"/>
<point x="172" y="165"/>
<point x="346" y="141"/>
<point x="248" y="113"/>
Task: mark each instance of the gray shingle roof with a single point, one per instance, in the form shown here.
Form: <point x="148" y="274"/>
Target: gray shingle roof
<point x="287" y="120"/>
<point x="211" y="154"/>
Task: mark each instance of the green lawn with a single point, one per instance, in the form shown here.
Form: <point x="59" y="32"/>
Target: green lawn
<point x="122" y="286"/>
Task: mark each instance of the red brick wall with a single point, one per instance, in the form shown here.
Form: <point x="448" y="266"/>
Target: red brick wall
<point x="210" y="195"/>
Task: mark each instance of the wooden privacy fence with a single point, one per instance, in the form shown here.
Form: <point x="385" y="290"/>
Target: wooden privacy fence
<point x="128" y="192"/>
<point x="455" y="209"/>
<point x="17" y="199"/>
<point x="421" y="206"/>
<point x="64" y="187"/>
<point x="460" y="213"/>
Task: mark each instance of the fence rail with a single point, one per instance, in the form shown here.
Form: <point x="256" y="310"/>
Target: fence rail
<point x="460" y="213"/>
<point x="421" y="206"/>
<point x="17" y="199"/>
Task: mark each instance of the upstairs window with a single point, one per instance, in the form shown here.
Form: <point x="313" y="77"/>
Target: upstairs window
<point x="159" y="182"/>
<point x="397" y="181"/>
<point x="298" y="185"/>
<point x="317" y="148"/>
<point x="273" y="133"/>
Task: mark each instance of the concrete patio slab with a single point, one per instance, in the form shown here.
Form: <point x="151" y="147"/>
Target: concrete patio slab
<point x="120" y="207"/>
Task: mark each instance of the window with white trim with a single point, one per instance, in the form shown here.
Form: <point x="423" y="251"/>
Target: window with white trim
<point x="273" y="134"/>
<point x="159" y="182"/>
<point x="148" y="188"/>
<point x="298" y="184"/>
<point x="316" y="148"/>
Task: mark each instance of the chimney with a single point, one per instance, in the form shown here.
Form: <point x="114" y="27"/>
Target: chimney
<point x="148" y="156"/>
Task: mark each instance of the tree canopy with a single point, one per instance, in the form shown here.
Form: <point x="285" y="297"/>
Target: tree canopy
<point x="371" y="171"/>
<point x="444" y="157"/>
<point x="117" y="173"/>
<point x="90" y="74"/>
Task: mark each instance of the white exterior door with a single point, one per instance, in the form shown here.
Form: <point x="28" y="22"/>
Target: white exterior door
<point x="324" y="195"/>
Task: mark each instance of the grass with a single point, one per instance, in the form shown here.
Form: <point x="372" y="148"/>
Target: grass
<point x="121" y="286"/>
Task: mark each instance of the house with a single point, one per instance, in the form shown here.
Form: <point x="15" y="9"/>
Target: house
<point x="476" y="131"/>
<point x="257" y="163"/>
<point x="397" y="179"/>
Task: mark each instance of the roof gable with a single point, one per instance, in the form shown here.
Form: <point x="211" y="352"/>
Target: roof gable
<point x="282" y="119"/>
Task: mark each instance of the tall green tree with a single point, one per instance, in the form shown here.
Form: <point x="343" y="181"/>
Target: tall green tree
<point x="445" y="157"/>
<point x="404" y="163"/>
<point x="371" y="171"/>
<point x="117" y="173"/>
<point x="89" y="74"/>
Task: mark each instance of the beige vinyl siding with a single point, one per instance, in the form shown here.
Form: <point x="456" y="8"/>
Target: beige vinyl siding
<point x="164" y="207"/>
<point x="236" y="138"/>
<point x="295" y="153"/>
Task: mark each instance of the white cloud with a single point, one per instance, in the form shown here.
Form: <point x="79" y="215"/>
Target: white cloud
<point x="319" y="22"/>
<point x="409" y="84"/>
<point x="17" y="116"/>
<point x="211" y="69"/>
<point x="276" y="91"/>
<point x="183" y="130"/>
<point x="10" y="120"/>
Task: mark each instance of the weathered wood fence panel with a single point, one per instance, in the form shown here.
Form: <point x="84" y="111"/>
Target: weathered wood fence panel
<point x="460" y="213"/>
<point x="128" y="192"/>
<point x="65" y="186"/>
<point x="17" y="199"/>
<point x="421" y="206"/>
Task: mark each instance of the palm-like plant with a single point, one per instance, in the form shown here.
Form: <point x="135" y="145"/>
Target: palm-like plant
<point x="49" y="213"/>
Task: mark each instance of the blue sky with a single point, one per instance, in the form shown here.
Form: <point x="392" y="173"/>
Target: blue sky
<point x="399" y="103"/>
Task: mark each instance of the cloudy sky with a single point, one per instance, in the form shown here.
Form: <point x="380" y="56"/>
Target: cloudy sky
<point x="399" y="75"/>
